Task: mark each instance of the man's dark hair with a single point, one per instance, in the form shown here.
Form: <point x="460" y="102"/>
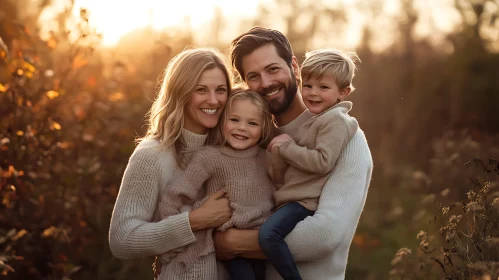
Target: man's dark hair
<point x="253" y="39"/>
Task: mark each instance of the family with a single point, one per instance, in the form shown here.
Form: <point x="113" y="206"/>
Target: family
<point x="262" y="180"/>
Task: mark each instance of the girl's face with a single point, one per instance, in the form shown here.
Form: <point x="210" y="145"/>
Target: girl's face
<point x="205" y="106"/>
<point x="243" y="127"/>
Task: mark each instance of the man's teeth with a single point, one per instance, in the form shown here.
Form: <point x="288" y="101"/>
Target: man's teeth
<point x="209" y="111"/>
<point x="239" y="137"/>
<point x="272" y="93"/>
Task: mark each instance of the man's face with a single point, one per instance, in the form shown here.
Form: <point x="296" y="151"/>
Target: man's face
<point x="269" y="75"/>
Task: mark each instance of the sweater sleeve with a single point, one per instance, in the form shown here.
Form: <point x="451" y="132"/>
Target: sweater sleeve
<point x="340" y="206"/>
<point x="132" y="232"/>
<point x="332" y="137"/>
<point x="185" y="187"/>
<point x="276" y="166"/>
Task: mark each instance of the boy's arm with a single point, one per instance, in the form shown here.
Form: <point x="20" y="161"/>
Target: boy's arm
<point x="339" y="209"/>
<point x="332" y="137"/>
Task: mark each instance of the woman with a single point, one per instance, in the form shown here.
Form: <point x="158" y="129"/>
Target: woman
<point x="191" y="99"/>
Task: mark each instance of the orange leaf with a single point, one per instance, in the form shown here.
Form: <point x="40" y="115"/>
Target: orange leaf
<point x="55" y="126"/>
<point x="52" y="94"/>
<point x="3" y="88"/>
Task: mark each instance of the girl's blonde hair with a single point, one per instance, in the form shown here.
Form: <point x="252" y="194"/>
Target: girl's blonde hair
<point x="340" y="65"/>
<point x="242" y="93"/>
<point x="166" y="116"/>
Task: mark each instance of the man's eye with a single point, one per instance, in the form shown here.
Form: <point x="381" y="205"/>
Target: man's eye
<point x="252" y="77"/>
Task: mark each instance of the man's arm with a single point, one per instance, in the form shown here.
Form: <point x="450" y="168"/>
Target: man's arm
<point x="340" y="206"/>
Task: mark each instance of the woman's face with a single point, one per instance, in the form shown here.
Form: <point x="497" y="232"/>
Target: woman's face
<point x="205" y="106"/>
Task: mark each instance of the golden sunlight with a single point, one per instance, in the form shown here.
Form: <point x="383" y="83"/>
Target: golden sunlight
<point x="114" y="18"/>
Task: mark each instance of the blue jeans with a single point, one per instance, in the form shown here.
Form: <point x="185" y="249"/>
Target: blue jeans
<point x="271" y="238"/>
<point x="245" y="269"/>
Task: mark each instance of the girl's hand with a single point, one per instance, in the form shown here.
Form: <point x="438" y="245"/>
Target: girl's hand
<point x="278" y="140"/>
<point x="214" y="212"/>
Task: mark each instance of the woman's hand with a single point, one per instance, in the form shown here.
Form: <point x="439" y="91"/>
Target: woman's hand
<point x="214" y="212"/>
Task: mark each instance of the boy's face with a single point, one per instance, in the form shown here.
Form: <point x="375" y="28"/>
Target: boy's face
<point x="269" y="75"/>
<point x="320" y="95"/>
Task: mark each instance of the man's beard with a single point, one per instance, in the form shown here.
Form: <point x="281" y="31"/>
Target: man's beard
<point x="277" y="107"/>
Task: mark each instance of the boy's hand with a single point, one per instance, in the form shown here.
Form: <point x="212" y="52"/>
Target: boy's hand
<point x="278" y="140"/>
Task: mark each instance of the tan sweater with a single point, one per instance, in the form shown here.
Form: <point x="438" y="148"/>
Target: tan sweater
<point x="241" y="173"/>
<point x="311" y="156"/>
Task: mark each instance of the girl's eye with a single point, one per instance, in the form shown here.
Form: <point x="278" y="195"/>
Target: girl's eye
<point x="253" y="123"/>
<point x="233" y="120"/>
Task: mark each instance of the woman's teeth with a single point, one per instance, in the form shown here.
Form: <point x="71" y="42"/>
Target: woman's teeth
<point x="272" y="93"/>
<point x="209" y="111"/>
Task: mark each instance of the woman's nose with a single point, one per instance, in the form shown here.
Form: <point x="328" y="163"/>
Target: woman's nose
<point x="212" y="98"/>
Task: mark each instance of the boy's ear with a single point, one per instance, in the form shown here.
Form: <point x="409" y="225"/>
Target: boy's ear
<point x="345" y="92"/>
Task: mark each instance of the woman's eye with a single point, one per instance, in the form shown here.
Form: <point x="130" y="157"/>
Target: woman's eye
<point x="201" y="90"/>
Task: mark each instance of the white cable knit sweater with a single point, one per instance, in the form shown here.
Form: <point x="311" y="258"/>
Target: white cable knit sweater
<point x="321" y="242"/>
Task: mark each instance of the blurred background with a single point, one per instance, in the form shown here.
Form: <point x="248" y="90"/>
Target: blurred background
<point x="77" y="78"/>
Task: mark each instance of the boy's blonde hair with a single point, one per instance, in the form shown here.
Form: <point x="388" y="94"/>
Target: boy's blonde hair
<point x="240" y="92"/>
<point x="167" y="114"/>
<point x="341" y="66"/>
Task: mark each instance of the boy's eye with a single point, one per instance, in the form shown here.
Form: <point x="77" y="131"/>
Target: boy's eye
<point x="324" y="87"/>
<point x="307" y="86"/>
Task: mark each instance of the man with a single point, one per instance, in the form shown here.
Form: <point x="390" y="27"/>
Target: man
<point x="264" y="59"/>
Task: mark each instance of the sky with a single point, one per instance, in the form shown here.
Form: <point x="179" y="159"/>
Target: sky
<point x="115" y="18"/>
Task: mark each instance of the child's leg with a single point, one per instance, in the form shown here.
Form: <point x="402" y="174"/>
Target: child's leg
<point x="240" y="269"/>
<point x="271" y="238"/>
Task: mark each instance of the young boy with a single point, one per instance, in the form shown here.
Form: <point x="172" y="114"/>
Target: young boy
<point x="300" y="167"/>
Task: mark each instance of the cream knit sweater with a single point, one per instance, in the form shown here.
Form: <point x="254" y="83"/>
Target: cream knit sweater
<point x="242" y="174"/>
<point x="320" y="243"/>
<point x="136" y="229"/>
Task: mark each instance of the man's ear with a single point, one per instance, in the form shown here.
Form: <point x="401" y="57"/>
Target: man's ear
<point x="295" y="67"/>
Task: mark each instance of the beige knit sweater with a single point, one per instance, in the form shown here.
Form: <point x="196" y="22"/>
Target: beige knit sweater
<point x="136" y="230"/>
<point x="241" y="173"/>
<point x="311" y="155"/>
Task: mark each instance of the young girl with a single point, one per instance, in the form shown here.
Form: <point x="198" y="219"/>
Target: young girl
<point x="236" y="164"/>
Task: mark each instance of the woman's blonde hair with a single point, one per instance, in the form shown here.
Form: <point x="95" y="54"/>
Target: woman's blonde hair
<point x="340" y="65"/>
<point x="166" y="116"/>
<point x="240" y="92"/>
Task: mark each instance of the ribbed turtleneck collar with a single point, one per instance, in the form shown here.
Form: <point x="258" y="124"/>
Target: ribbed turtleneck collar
<point x="231" y="152"/>
<point x="192" y="140"/>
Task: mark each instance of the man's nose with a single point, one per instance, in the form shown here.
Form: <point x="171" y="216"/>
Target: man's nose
<point x="266" y="81"/>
